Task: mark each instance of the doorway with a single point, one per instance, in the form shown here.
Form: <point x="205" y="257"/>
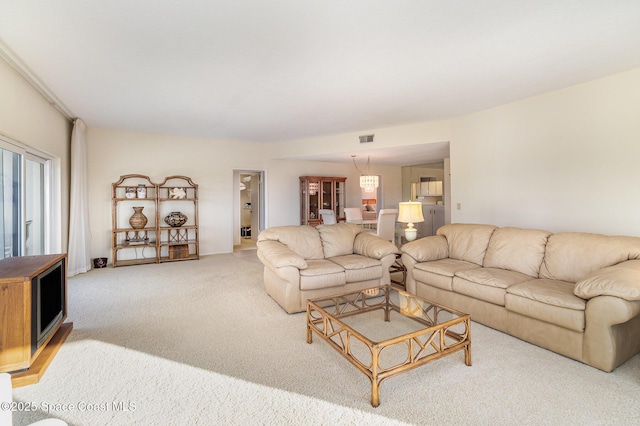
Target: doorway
<point x="249" y="208"/>
<point x="372" y="201"/>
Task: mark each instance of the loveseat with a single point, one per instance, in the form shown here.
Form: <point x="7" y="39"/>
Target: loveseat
<point x="577" y="294"/>
<point x="303" y="262"/>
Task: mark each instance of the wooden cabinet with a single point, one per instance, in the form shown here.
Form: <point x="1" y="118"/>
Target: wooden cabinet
<point x="177" y="202"/>
<point x="33" y="308"/>
<point x="140" y="233"/>
<point x="430" y="189"/>
<point x="321" y="192"/>
<point x="433" y="219"/>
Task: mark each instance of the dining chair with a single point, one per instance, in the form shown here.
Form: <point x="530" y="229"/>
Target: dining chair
<point x="353" y="214"/>
<point x="386" y="228"/>
<point x="328" y="216"/>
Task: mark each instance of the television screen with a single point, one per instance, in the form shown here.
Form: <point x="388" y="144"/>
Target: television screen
<point x="47" y="303"/>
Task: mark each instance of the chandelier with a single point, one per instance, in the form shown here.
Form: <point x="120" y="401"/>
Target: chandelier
<point x="368" y="181"/>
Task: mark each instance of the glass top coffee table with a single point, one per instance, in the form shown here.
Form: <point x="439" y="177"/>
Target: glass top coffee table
<point x="384" y="331"/>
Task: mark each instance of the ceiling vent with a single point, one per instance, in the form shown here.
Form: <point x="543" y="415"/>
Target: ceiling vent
<point x="366" y="138"/>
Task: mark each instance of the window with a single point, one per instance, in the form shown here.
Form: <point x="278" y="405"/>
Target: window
<point x="25" y="203"/>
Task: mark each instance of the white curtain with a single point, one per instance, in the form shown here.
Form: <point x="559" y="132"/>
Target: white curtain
<point x="79" y="255"/>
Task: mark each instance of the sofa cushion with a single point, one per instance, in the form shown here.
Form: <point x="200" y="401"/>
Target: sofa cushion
<point x="321" y="273"/>
<point x="571" y="256"/>
<point x="550" y="292"/>
<point x="493" y="277"/>
<point x="548" y="300"/>
<point x="337" y="239"/>
<point x="359" y="268"/>
<point x="488" y="284"/>
<point x="303" y="240"/>
<point x="621" y="280"/>
<point x="439" y="273"/>
<point x="467" y="242"/>
<point x="517" y="249"/>
<point x="447" y="267"/>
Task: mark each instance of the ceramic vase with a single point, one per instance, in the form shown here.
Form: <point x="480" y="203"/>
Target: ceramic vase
<point x="142" y="191"/>
<point x="175" y="219"/>
<point x="138" y="220"/>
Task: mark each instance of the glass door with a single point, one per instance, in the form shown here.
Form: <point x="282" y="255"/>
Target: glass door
<point x="10" y="194"/>
<point x="313" y="188"/>
<point x="34" y="181"/>
<point x="327" y="195"/>
<point x="340" y="199"/>
<point x="23" y="192"/>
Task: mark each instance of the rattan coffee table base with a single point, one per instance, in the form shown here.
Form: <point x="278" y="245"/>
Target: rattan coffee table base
<point x="433" y="331"/>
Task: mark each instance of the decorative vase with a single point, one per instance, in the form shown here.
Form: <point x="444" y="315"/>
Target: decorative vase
<point x="99" y="262"/>
<point x="142" y="191"/>
<point x="175" y="219"/>
<point x="138" y="220"/>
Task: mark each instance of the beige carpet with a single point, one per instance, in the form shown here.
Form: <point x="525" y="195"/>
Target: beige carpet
<point x="201" y="342"/>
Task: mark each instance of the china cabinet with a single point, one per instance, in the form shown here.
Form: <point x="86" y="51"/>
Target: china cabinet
<point x="321" y="192"/>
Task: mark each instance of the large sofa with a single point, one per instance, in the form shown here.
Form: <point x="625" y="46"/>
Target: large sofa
<point x="576" y="294"/>
<point x="303" y="262"/>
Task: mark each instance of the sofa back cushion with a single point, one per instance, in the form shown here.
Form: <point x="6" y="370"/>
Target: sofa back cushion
<point x="303" y="240"/>
<point x="337" y="240"/>
<point x="516" y="249"/>
<point x="571" y="256"/>
<point x="467" y="242"/>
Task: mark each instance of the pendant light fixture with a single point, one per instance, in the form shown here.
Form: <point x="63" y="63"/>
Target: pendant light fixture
<point x="368" y="181"/>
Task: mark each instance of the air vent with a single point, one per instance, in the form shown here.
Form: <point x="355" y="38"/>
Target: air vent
<point x="366" y="138"/>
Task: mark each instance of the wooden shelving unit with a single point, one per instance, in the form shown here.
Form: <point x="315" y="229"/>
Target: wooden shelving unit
<point x="133" y="246"/>
<point x="178" y="194"/>
<point x="156" y="242"/>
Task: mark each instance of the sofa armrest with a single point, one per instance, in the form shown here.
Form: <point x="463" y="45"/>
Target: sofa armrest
<point x="621" y="280"/>
<point x="611" y="335"/>
<point x="372" y="246"/>
<point x="279" y="255"/>
<point x="427" y="248"/>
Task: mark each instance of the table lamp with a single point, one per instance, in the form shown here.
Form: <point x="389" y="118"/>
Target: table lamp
<point x="409" y="213"/>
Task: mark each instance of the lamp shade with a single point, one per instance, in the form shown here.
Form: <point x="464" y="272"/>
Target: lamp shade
<point x="410" y="212"/>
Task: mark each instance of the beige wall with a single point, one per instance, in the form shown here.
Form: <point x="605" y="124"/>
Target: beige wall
<point x="563" y="161"/>
<point x="210" y="163"/>
<point x="26" y="117"/>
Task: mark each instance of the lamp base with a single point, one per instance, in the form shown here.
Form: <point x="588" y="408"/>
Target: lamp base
<point x="410" y="233"/>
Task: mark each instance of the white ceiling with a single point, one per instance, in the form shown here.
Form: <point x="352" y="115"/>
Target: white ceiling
<point x="280" y="70"/>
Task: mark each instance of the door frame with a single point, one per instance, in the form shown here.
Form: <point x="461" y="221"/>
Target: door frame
<point x="237" y="208"/>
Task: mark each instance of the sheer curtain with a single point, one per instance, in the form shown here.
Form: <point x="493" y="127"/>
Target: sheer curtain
<point x="79" y="254"/>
